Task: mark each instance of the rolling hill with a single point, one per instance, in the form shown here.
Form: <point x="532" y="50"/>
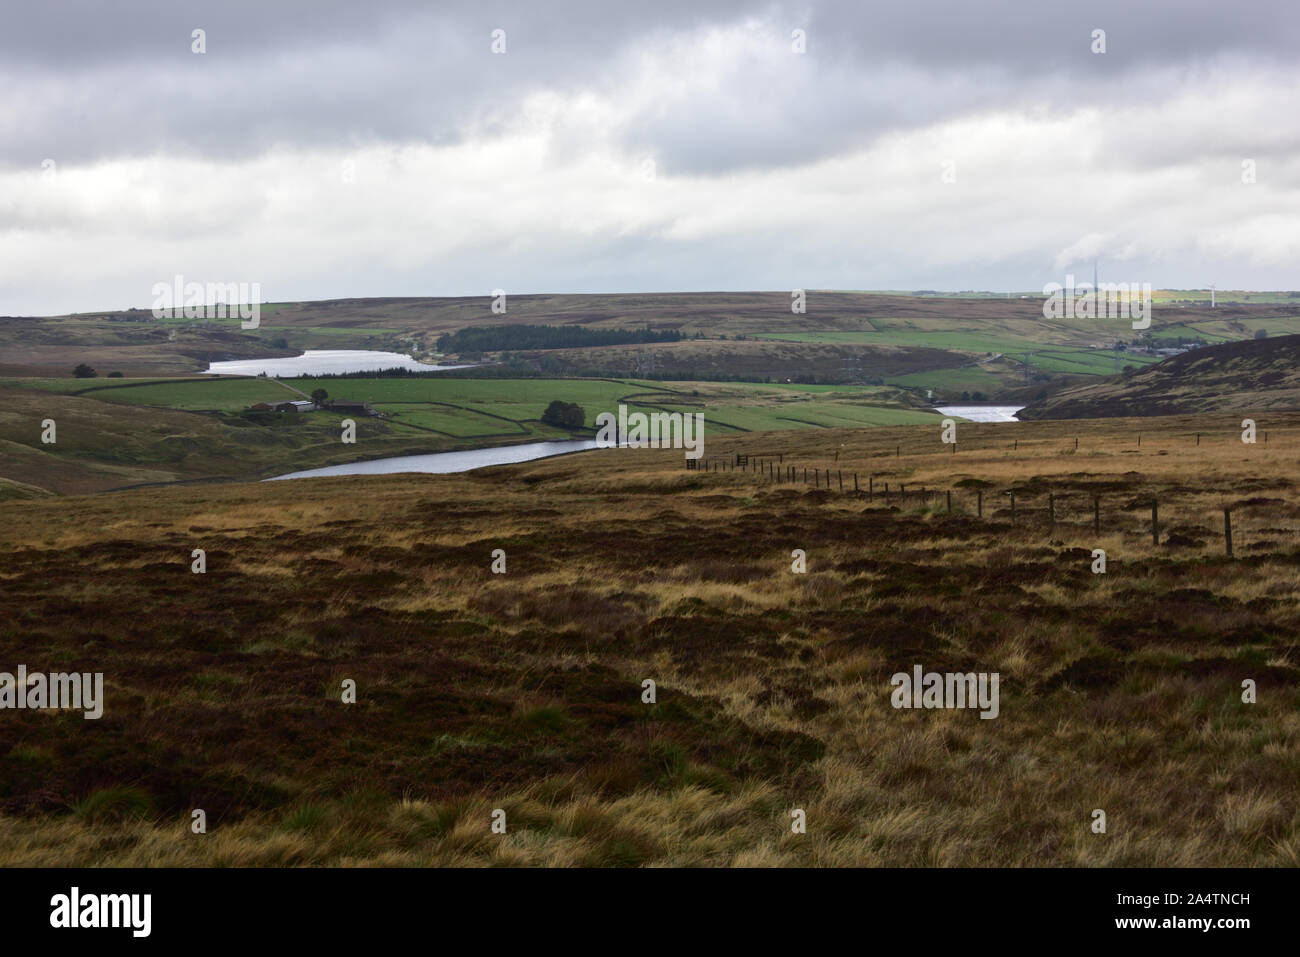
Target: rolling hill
<point x="949" y="345"/>
<point x="1251" y="376"/>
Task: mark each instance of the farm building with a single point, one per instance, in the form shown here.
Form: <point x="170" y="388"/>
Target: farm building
<point x="348" y="405"/>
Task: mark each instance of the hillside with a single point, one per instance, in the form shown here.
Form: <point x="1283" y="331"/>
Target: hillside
<point x="949" y="344"/>
<point x="114" y="433"/>
<point x="523" y="691"/>
<point x="1252" y="376"/>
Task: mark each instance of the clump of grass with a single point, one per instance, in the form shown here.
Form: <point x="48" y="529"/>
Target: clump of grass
<point x="311" y="816"/>
<point x="114" y="805"/>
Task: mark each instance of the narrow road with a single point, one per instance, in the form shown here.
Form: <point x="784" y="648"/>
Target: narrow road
<point x="291" y="388"/>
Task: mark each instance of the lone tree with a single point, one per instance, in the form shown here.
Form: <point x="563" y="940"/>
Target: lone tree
<point x="319" y="396"/>
<point x="84" y="371"/>
<point x="1261" y="333"/>
<point x="564" y="415"/>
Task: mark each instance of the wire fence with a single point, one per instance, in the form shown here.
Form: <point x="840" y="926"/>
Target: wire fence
<point x="1019" y="506"/>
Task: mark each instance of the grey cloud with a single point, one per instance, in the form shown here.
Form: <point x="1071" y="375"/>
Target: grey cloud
<point x="91" y="79"/>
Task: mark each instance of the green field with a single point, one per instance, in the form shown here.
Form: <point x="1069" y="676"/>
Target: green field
<point x="117" y="433"/>
<point x="229" y="395"/>
<point x="518" y="400"/>
<point x="451" y="420"/>
<point x="469" y="408"/>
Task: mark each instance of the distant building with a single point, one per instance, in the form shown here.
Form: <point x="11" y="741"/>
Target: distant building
<point x="348" y="405"/>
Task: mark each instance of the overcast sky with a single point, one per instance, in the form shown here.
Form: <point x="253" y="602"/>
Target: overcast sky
<point x="328" y="149"/>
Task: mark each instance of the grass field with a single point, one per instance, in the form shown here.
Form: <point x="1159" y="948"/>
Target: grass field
<point x="228" y="394"/>
<point x="523" y="691"/>
<point x="452" y="420"/>
<point x="1065" y="359"/>
<point x="115" y="433"/>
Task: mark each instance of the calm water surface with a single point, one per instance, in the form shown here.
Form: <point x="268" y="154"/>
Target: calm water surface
<point x="324" y="362"/>
<point x="440" y="463"/>
<point x="982" y="413"/>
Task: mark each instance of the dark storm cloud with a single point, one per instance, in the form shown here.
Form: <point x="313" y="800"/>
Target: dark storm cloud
<point x="85" y="80"/>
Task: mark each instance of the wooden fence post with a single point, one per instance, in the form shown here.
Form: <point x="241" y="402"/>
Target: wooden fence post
<point x="1016" y="447"/>
<point x="979" y="498"/>
<point x="855" y="481"/>
<point x="949" y="501"/>
<point x="817" y="478"/>
<point x="1096" y="515"/>
<point x="841" y="478"/>
<point x="1155" y="522"/>
<point x="1013" y="505"/>
<point x="871" y="487"/>
<point x="1227" y="530"/>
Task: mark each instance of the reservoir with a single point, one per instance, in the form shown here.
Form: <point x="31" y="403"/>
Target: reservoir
<point x="325" y="362"/>
<point x="981" y="413"/>
<point x="440" y="463"/>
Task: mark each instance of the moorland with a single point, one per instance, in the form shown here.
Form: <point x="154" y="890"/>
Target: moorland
<point x="361" y="670"/>
<point x="523" y="691"/>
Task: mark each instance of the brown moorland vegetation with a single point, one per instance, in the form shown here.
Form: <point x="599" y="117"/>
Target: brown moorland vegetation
<point x="1250" y="376"/>
<point x="523" y="691"/>
<point x="925" y="332"/>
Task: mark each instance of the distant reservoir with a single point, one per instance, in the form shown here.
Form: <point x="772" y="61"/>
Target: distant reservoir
<point x="325" y="362"/>
<point x="981" y="413"/>
<point x="440" y="463"/>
